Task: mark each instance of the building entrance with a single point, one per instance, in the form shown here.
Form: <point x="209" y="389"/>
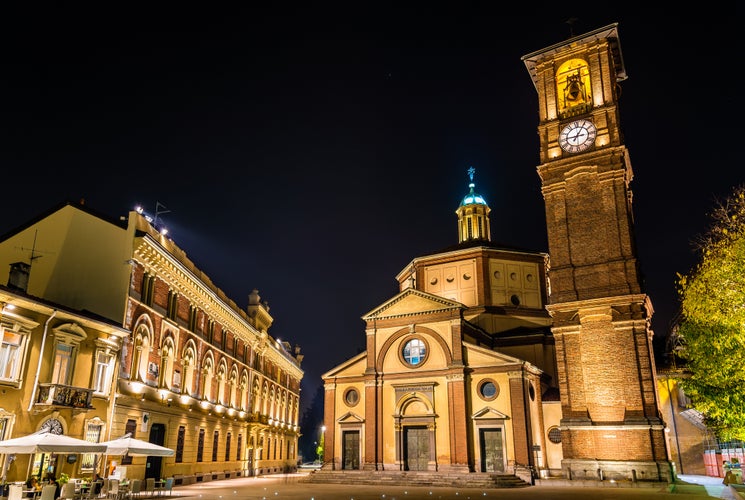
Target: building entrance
<point x="416" y="448"/>
<point x="351" y="452"/>
<point x="153" y="464"/>
<point x="492" y="455"/>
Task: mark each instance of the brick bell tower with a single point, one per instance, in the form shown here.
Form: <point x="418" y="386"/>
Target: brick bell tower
<point x="611" y="426"/>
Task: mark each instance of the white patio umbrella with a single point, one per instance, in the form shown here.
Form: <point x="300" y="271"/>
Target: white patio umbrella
<point x="127" y="445"/>
<point x="40" y="442"/>
<point x="46" y="442"/>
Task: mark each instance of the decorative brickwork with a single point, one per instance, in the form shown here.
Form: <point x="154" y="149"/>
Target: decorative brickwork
<point x="601" y="317"/>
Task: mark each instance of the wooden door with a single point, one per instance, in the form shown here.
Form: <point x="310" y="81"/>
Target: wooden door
<point x="351" y="452"/>
<point x="416" y="448"/>
<point x="492" y="455"/>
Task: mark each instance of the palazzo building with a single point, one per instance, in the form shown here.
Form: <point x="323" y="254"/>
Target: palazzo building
<point x="495" y="359"/>
<point x="190" y="369"/>
<point x="42" y="384"/>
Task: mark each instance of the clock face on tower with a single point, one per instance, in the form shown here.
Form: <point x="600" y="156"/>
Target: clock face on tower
<point x="577" y="136"/>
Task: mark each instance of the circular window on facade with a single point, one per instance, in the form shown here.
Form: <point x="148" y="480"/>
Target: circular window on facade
<point x="351" y="397"/>
<point x="488" y="390"/>
<point x="414" y="352"/>
<point x="554" y="435"/>
<point x="515" y="299"/>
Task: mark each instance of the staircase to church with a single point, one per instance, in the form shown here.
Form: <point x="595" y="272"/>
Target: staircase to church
<point x="415" y="478"/>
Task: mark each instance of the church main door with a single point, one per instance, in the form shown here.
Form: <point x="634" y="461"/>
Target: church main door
<point x="416" y="448"/>
<point x="492" y="457"/>
<point x="351" y="452"/>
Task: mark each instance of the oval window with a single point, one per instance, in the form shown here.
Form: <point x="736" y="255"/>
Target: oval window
<point x="351" y="397"/>
<point x="414" y="352"/>
<point x="488" y="390"/>
<point x="554" y="435"/>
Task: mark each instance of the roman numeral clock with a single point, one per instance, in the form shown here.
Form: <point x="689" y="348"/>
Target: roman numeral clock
<point x="610" y="414"/>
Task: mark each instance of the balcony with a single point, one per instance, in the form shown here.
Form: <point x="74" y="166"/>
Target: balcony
<point x="65" y="396"/>
<point x="257" y="417"/>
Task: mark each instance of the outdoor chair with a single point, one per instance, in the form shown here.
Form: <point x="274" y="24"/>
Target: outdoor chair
<point x="168" y="486"/>
<point x="113" y="491"/>
<point x="15" y="492"/>
<point x="150" y="486"/>
<point x="68" y="491"/>
<point x="96" y="489"/>
<point x="135" y="487"/>
<point x="48" y="492"/>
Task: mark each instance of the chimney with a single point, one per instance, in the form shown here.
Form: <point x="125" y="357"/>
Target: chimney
<point x="18" y="277"/>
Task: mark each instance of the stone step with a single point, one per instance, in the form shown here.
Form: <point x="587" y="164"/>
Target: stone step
<point x="416" y="478"/>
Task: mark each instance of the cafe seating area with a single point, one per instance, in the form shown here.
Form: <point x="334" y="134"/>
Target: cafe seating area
<point x="103" y="489"/>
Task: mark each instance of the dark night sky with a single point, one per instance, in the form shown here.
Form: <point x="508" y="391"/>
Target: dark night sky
<point x="312" y="154"/>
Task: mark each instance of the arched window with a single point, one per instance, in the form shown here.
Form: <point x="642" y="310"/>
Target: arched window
<point x="233" y="388"/>
<point x="285" y="413"/>
<point x="244" y="392"/>
<point x="207" y="375"/>
<point x="188" y="362"/>
<point x="256" y="396"/>
<point x="272" y="410"/>
<point x="265" y="399"/>
<point x="141" y="353"/>
<point x="166" y="363"/>
<point x="222" y="376"/>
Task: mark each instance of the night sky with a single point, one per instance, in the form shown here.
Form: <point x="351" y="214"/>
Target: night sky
<point x="313" y="154"/>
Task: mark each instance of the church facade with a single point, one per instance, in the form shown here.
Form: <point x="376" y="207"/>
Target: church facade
<point x="501" y="360"/>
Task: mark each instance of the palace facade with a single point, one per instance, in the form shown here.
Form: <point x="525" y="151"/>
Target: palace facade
<point x="156" y="350"/>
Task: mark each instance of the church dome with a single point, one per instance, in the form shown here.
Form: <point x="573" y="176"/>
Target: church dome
<point x="473" y="198"/>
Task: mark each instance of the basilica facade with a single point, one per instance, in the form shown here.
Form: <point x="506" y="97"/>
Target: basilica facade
<point x="493" y="359"/>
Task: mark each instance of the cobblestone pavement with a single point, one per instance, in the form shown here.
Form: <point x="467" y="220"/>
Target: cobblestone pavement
<point x="287" y="487"/>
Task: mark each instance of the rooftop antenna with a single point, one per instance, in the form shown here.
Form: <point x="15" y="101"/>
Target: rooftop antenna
<point x="159" y="209"/>
<point x="571" y="22"/>
<point x="35" y="254"/>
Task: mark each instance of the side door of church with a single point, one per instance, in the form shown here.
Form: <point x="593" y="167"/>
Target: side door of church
<point x="492" y="454"/>
<point x="416" y="448"/>
<point x="351" y="451"/>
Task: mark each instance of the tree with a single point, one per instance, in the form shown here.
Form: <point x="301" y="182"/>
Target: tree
<point x="712" y="329"/>
<point x="311" y="421"/>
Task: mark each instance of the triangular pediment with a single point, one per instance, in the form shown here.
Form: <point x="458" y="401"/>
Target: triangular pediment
<point x="489" y="413"/>
<point x="350" y="418"/>
<point x="353" y="367"/>
<point x="411" y="302"/>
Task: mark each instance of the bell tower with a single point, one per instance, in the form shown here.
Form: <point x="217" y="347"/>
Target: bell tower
<point x="473" y="215"/>
<point x="611" y="426"/>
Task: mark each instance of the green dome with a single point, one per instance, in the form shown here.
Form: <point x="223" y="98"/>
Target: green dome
<point x="473" y="198"/>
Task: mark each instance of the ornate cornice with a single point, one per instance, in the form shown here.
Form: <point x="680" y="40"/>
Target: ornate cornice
<point x="158" y="260"/>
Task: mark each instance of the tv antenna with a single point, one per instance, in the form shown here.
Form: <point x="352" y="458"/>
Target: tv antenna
<point x="159" y="209"/>
<point x="35" y="254"/>
<point x="571" y="22"/>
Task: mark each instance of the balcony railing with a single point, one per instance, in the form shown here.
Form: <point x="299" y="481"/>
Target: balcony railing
<point x="64" y="395"/>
